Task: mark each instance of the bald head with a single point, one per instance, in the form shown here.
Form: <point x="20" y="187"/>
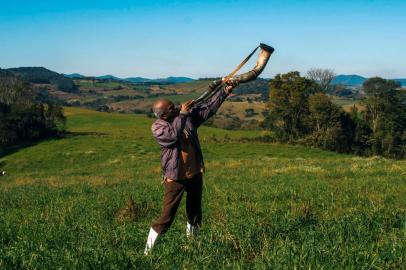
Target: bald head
<point x="162" y="107"/>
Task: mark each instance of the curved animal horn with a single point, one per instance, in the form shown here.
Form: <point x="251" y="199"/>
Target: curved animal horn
<point x="264" y="55"/>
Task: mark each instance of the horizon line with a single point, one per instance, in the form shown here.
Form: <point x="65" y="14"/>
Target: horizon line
<point x="193" y="77"/>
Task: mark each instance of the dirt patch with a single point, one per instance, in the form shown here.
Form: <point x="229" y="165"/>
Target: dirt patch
<point x="131" y="211"/>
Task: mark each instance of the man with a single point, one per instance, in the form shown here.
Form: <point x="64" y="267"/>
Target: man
<point x="182" y="159"/>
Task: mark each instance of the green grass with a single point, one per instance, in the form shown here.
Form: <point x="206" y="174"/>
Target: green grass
<point x="104" y="85"/>
<point x="265" y="205"/>
<point x="345" y="101"/>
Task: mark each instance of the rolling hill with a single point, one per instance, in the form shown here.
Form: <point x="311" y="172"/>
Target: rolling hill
<point x="401" y="81"/>
<point x="109" y="77"/>
<point x="137" y="79"/>
<point x="350" y="80"/>
<point x="356" y="80"/>
<point x="168" y="80"/>
<point x="41" y="75"/>
<point x="75" y="76"/>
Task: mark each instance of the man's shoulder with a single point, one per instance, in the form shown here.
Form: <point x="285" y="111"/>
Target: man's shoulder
<point x="158" y="122"/>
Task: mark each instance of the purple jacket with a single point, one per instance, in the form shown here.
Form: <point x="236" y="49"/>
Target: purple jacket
<point x="168" y="134"/>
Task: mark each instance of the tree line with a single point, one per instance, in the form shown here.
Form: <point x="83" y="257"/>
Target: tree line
<point x="23" y="118"/>
<point x="301" y="111"/>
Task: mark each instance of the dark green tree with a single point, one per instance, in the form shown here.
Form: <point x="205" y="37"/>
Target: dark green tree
<point x="362" y="132"/>
<point x="288" y="105"/>
<point x="331" y="127"/>
<point x="386" y="115"/>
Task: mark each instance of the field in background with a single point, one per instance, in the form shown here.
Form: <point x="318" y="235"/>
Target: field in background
<point x="265" y="205"/>
<point x="245" y="110"/>
<point x="348" y="103"/>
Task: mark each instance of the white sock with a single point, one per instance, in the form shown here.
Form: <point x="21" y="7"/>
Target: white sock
<point x="191" y="230"/>
<point x="152" y="237"/>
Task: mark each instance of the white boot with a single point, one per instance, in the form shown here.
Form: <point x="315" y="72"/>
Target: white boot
<point x="152" y="237"/>
<point x="191" y="230"/>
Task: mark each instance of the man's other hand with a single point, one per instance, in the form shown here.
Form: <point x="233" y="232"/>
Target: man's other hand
<point x="185" y="107"/>
<point x="230" y="85"/>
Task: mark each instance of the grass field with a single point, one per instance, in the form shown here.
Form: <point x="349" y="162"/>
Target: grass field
<point x="265" y="205"/>
<point x="348" y="103"/>
<point x="105" y="85"/>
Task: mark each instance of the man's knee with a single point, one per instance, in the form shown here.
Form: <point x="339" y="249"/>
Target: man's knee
<point x="162" y="226"/>
<point x="164" y="222"/>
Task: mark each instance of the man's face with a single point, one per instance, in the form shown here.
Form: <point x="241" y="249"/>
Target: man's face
<point x="170" y="111"/>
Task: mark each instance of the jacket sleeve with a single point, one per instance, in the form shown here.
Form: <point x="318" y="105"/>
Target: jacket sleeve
<point x="202" y="113"/>
<point x="168" y="134"/>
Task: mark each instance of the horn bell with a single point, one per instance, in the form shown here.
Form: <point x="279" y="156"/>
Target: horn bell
<point x="264" y="55"/>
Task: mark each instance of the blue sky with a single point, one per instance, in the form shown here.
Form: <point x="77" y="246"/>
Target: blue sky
<point x="203" y="38"/>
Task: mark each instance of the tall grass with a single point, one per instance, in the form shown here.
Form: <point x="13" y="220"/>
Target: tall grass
<point x="265" y="205"/>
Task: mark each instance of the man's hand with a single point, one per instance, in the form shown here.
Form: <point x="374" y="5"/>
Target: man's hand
<point x="230" y="85"/>
<point x="185" y="107"/>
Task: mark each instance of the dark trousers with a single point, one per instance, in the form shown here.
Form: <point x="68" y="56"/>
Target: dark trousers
<point x="172" y="197"/>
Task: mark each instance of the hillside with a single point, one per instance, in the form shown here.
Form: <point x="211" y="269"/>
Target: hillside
<point x="341" y="79"/>
<point x="402" y="82"/>
<point x="125" y="97"/>
<point x="351" y="80"/>
<point x="41" y="75"/>
<point x="74" y="76"/>
<point x="265" y="205"/>
<point x="356" y="80"/>
<point x="168" y="80"/>
<point x="245" y="110"/>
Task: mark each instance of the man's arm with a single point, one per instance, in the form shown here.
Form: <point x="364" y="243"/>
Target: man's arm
<point x="203" y="112"/>
<point x="206" y="110"/>
<point x="168" y="134"/>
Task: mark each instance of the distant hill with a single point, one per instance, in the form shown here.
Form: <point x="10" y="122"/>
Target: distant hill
<point x="147" y="80"/>
<point x="36" y="74"/>
<point x="401" y="81"/>
<point x="41" y="75"/>
<point x="174" y="80"/>
<point x="167" y="80"/>
<point x="137" y="80"/>
<point x="109" y="77"/>
<point x="352" y="80"/>
<point x="162" y="80"/>
<point x="357" y="80"/>
<point x="74" y="76"/>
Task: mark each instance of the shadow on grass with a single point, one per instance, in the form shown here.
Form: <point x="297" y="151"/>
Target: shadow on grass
<point x="15" y="148"/>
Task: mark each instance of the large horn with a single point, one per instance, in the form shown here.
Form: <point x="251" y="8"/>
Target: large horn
<point x="264" y="55"/>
